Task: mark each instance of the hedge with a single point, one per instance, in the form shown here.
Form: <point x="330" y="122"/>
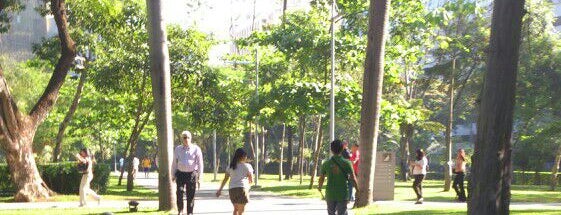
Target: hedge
<point x="63" y="178"/>
<point x="519" y="178"/>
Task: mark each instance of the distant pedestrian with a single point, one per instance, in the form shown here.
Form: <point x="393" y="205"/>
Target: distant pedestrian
<point x="135" y="164"/>
<point x="85" y="167"/>
<point x="146" y="165"/>
<point x="459" y="170"/>
<point x="355" y="158"/>
<point x="338" y="172"/>
<point x="240" y="174"/>
<point x="346" y="153"/>
<point x="188" y="168"/>
<point x="419" y="172"/>
<point x="121" y="163"/>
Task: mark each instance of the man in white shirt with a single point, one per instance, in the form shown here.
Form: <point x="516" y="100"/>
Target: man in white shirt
<point x="188" y="168"/>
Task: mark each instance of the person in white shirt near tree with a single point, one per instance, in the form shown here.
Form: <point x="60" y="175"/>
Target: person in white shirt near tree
<point x="419" y="172"/>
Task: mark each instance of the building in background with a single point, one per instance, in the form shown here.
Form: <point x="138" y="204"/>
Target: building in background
<point x="27" y="27"/>
<point x="228" y="20"/>
<point x="488" y="3"/>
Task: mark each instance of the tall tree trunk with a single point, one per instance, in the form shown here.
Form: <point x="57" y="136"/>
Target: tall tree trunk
<point x="252" y="149"/>
<point x="406" y="131"/>
<point x="302" y="122"/>
<point x="263" y="151"/>
<point x="492" y="164"/>
<point x="135" y="133"/>
<point x="555" y="169"/>
<point x="133" y="142"/>
<point x="371" y="98"/>
<point x="281" y="150"/>
<point x="64" y="124"/>
<point x="17" y="130"/>
<point x="318" y="143"/>
<point x="449" y="128"/>
<point x="290" y="154"/>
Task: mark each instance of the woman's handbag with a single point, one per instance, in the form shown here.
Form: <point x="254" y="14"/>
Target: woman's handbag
<point x="83" y="167"/>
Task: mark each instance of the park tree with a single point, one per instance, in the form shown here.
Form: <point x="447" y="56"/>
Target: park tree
<point x="492" y="164"/>
<point x="161" y="89"/>
<point x="372" y="96"/>
<point x="537" y="97"/>
<point x="18" y="129"/>
<point x="90" y="19"/>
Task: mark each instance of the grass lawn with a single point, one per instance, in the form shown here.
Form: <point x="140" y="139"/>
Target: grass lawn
<point x="114" y="192"/>
<point x="435" y="210"/>
<point x="403" y="192"/>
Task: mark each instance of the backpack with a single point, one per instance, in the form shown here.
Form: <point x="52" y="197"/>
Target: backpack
<point x="83" y="167"/>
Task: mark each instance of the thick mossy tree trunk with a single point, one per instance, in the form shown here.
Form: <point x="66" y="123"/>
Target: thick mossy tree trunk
<point x="492" y="165"/>
<point x="17" y="129"/>
<point x="371" y="98"/>
<point x="64" y="124"/>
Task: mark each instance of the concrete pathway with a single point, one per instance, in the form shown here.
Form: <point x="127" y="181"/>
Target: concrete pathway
<point x="260" y="203"/>
<point x="205" y="202"/>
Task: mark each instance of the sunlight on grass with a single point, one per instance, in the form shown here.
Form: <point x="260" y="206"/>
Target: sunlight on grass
<point x="114" y="192"/>
<point x="83" y="211"/>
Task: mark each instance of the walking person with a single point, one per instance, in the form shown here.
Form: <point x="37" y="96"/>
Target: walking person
<point x="355" y="158"/>
<point x="135" y="164"/>
<point x="240" y="174"/>
<point x="338" y="172"/>
<point x="85" y="167"/>
<point x="146" y="165"/>
<point x="121" y="163"/>
<point x="459" y="170"/>
<point x="419" y="172"/>
<point x="188" y="168"/>
<point x="346" y="153"/>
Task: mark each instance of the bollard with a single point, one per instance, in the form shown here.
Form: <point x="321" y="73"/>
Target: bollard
<point x="133" y="206"/>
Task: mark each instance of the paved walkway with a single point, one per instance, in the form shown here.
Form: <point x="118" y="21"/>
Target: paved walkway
<point x="205" y="203"/>
<point x="261" y="203"/>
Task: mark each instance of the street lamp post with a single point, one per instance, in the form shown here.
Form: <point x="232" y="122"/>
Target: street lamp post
<point x="257" y="119"/>
<point x="214" y="163"/>
<point x="332" y="96"/>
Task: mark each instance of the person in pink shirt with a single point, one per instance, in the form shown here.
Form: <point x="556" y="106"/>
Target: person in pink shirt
<point x="187" y="167"/>
<point x="355" y="157"/>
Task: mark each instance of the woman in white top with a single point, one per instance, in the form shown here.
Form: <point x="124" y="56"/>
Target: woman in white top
<point x="419" y="172"/>
<point x="460" y="171"/>
<point x="86" y="168"/>
<point x="240" y="174"/>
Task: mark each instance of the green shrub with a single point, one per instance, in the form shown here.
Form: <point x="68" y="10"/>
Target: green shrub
<point x="62" y="178"/>
<point x="533" y="178"/>
<point x="6" y="186"/>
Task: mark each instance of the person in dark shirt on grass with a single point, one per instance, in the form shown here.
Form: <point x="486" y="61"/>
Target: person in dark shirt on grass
<point x="338" y="171"/>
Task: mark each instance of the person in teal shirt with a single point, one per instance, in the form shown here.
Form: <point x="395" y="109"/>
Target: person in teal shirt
<point x="338" y="172"/>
